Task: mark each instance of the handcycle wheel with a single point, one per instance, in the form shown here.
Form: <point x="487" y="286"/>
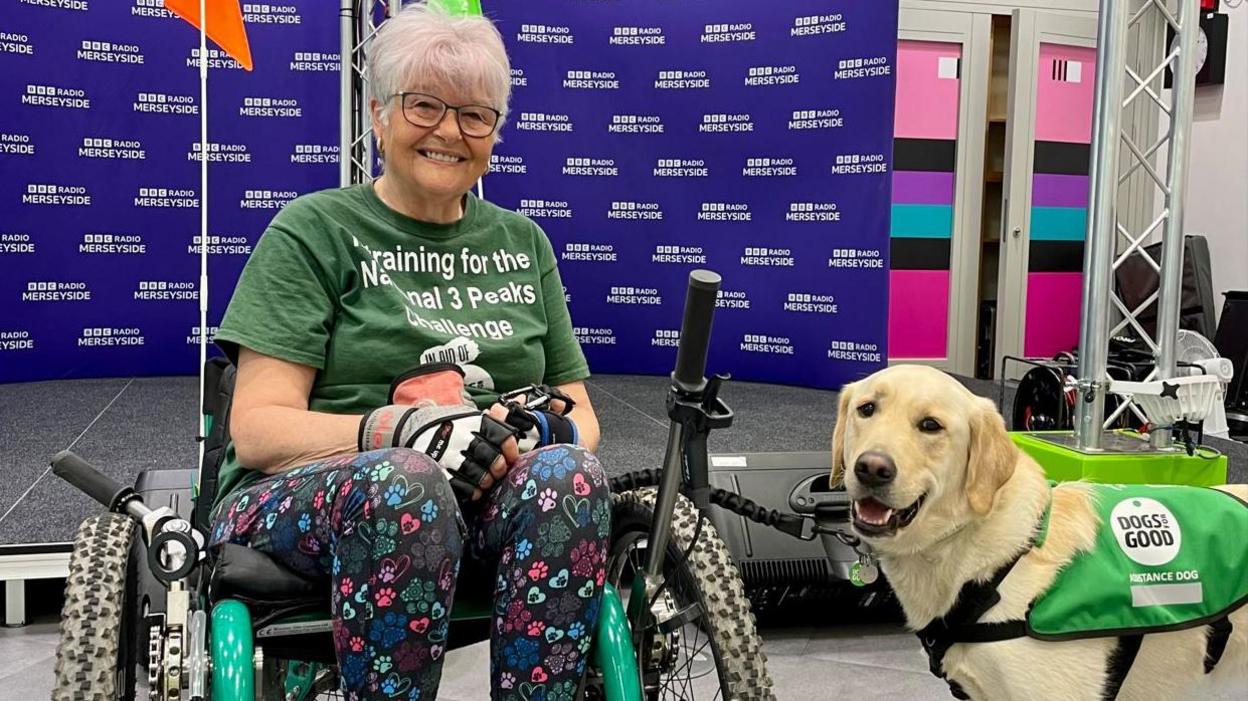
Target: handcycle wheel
<point x="716" y="653"/>
<point x="89" y="659"/>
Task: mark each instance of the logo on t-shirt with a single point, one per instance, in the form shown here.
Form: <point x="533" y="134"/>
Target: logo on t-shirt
<point x="461" y="351"/>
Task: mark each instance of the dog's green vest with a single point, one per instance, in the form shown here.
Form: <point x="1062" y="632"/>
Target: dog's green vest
<point x="1166" y="558"/>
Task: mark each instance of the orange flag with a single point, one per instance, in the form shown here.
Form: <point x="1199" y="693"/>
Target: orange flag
<point x="225" y="25"/>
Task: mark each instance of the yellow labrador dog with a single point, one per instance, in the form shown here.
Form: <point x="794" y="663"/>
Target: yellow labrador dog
<point x="944" y="497"/>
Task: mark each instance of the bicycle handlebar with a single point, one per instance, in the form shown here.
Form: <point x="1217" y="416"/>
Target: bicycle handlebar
<point x="695" y="328"/>
<point x="91" y="481"/>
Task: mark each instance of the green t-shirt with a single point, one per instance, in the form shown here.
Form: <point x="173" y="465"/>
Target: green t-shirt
<point x="342" y="283"/>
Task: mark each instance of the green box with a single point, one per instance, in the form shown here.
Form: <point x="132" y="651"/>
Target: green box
<point x="1137" y="465"/>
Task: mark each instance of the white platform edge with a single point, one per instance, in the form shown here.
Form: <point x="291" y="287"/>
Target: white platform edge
<point x="16" y="569"/>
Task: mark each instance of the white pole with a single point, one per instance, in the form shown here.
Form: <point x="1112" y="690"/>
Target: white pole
<point x="346" y="48"/>
<point x="203" y="216"/>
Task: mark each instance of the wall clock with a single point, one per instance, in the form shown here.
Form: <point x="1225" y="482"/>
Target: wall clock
<point x="1210" y="50"/>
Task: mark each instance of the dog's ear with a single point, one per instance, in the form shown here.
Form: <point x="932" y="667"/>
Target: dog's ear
<point x="838" y="435"/>
<point x="992" y="456"/>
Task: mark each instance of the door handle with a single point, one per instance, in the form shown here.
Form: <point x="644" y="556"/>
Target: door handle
<point x="1005" y="217"/>
<point x="1015" y="232"/>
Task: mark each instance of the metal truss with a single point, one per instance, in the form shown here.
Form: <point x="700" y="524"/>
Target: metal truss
<point x="358" y="24"/>
<point x="1117" y="157"/>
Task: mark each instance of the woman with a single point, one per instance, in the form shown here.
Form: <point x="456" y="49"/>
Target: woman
<point x="346" y="291"/>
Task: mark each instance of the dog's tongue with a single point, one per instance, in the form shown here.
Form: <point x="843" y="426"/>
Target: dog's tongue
<point x="872" y="511"/>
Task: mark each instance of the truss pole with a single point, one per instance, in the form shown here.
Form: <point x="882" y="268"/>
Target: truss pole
<point x="1183" y="96"/>
<point x="1099" y="250"/>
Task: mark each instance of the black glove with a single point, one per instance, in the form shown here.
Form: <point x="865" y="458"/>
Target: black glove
<point x="537" y="425"/>
<point x="465" y="443"/>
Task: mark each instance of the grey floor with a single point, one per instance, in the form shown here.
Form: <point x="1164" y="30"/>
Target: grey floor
<point x="866" y="662"/>
<point x="129" y="425"/>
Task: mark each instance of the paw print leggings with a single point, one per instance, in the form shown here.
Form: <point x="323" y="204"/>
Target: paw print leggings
<point x="386" y="530"/>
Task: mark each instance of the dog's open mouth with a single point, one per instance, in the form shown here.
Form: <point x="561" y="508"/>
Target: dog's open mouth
<point x="873" y="518"/>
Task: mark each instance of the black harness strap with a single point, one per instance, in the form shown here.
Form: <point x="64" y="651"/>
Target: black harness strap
<point x="1120" y="664"/>
<point x="1215" y="644"/>
<point x="1129" y="646"/>
<point x="959" y="624"/>
<point x="976" y="598"/>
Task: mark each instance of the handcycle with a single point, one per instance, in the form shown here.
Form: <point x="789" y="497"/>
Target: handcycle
<point x="151" y="613"/>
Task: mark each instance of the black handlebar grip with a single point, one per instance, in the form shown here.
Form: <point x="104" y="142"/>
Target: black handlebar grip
<point x="82" y="475"/>
<point x="695" y="329"/>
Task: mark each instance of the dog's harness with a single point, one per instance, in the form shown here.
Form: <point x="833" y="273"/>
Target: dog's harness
<point x="960" y="625"/>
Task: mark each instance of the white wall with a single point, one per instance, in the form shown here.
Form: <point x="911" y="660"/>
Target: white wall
<point x="1004" y="7"/>
<point x="1217" y="200"/>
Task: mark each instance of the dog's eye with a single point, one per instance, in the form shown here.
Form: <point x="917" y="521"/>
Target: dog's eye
<point x="866" y="410"/>
<point x="930" y="425"/>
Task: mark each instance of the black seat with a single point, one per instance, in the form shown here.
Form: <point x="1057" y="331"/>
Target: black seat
<point x="239" y="572"/>
<point x="289" y="611"/>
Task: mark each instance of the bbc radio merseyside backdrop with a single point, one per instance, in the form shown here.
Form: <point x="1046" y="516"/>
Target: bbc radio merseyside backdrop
<point x="99" y="150"/>
<point x="649" y="138"/>
<point x="646" y="137"/>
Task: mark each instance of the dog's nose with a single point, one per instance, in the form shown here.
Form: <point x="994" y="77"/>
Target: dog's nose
<point x="875" y="469"/>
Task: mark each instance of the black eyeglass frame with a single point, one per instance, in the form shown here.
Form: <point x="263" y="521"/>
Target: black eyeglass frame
<point x="498" y="115"/>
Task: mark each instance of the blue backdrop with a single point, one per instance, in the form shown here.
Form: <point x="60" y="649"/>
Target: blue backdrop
<point x="646" y="137"/>
<point x="99" y="242"/>
<point x="649" y="138"/>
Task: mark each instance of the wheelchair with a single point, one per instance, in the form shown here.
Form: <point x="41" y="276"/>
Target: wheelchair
<point x="151" y="613"/>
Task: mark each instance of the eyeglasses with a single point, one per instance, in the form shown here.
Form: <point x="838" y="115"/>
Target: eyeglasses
<point x="424" y="110"/>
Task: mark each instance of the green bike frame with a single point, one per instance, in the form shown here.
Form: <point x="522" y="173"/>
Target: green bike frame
<point x="233" y="652"/>
<point x="613" y="650"/>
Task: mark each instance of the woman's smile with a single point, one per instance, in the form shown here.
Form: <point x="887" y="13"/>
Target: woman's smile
<point x="441" y="157"/>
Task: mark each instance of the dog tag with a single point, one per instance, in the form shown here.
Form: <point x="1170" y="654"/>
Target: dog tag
<point x="863" y="572"/>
